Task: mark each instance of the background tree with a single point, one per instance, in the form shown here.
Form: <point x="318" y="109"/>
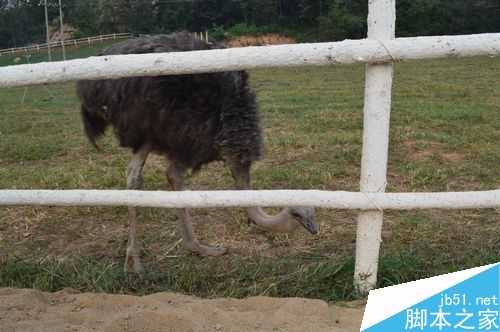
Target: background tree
<point x="344" y="19"/>
<point x="22" y="21"/>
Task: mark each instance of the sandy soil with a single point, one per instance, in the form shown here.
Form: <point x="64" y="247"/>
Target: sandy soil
<point x="67" y="310"/>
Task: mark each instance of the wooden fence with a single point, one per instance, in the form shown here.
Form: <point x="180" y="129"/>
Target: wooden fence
<point x="379" y="51"/>
<point x="68" y="42"/>
<point x="79" y="41"/>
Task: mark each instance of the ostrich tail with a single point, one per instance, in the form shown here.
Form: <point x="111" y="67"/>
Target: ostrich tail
<point x="94" y="124"/>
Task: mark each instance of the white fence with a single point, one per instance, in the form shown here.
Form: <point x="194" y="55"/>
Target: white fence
<point x="67" y="42"/>
<point x="77" y="42"/>
<point x="379" y="51"/>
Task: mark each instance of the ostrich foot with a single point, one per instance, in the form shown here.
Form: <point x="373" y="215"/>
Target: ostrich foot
<point x="205" y="250"/>
<point x="133" y="263"/>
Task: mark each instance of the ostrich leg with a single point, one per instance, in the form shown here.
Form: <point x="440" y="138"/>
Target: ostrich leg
<point x="175" y="176"/>
<point x="135" y="181"/>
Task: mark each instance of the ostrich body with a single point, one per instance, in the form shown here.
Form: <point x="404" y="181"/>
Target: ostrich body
<point x="190" y="119"/>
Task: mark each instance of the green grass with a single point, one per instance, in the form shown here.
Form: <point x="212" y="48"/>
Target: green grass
<point x="304" y="276"/>
<point x="445" y="129"/>
<point x="309" y="275"/>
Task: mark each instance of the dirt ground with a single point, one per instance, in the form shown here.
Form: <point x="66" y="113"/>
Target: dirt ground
<point x="68" y="310"/>
<point x="267" y="39"/>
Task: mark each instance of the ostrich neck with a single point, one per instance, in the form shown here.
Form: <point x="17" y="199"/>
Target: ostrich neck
<point x="281" y="222"/>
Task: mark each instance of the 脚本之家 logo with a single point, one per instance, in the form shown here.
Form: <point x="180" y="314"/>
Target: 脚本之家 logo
<point x="463" y="301"/>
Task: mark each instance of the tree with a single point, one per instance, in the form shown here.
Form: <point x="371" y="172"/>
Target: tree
<point x="84" y="16"/>
<point x="22" y="21"/>
<point x="141" y="18"/>
<point x="345" y="19"/>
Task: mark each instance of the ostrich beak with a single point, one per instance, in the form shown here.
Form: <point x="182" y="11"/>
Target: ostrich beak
<point x="310" y="225"/>
<point x="306" y="217"/>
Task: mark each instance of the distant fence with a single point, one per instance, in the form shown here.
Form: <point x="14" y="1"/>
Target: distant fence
<point x="68" y="42"/>
<point x="379" y="51"/>
<point x="79" y="41"/>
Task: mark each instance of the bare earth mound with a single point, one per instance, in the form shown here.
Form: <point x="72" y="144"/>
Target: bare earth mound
<point x="67" y="310"/>
<point x="267" y="39"/>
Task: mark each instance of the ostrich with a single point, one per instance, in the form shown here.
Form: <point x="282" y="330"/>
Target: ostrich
<point x="191" y="120"/>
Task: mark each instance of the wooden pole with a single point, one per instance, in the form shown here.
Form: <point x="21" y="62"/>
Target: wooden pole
<point x="47" y="30"/>
<point x="62" y="31"/>
<point x="377" y="108"/>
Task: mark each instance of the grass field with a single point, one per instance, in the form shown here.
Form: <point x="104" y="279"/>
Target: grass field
<point x="445" y="134"/>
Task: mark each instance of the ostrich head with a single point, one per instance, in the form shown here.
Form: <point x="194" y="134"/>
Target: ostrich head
<point x="305" y="216"/>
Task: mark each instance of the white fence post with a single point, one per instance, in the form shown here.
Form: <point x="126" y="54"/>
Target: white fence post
<point x="377" y="107"/>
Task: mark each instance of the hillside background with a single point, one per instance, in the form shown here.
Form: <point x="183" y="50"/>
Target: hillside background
<point x="22" y="21"/>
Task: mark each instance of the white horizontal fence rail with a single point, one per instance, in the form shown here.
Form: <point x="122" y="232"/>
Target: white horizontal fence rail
<point x="249" y="198"/>
<point x="66" y="42"/>
<point x="344" y="52"/>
